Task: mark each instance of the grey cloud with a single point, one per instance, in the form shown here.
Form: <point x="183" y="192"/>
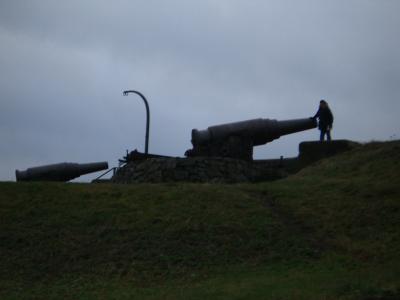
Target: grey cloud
<point x="64" y="65"/>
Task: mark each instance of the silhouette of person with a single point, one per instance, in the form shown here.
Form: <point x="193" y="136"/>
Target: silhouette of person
<point x="325" y="120"/>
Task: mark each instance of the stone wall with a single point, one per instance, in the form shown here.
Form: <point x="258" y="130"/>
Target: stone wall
<point x="196" y="169"/>
<point x="315" y="150"/>
<point x="226" y="170"/>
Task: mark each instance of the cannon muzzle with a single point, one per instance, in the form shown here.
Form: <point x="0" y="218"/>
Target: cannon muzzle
<point x="59" y="172"/>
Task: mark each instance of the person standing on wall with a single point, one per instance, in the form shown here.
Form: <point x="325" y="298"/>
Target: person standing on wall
<point x="325" y="120"/>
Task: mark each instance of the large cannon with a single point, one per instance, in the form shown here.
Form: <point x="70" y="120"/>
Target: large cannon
<point x="236" y="140"/>
<point x="59" y="172"/>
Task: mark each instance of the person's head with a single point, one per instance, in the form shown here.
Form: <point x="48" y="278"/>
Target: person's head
<point x="323" y="103"/>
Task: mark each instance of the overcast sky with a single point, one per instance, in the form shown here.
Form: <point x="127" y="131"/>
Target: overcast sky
<point x="64" y="65"/>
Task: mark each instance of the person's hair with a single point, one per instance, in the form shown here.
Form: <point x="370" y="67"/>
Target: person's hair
<point x="323" y="102"/>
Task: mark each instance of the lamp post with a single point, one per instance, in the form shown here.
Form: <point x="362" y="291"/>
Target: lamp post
<point x="125" y="93"/>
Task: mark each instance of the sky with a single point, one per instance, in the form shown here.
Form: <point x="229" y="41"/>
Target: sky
<point x="65" y="64"/>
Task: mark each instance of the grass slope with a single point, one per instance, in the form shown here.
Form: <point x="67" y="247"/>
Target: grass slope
<point x="329" y="232"/>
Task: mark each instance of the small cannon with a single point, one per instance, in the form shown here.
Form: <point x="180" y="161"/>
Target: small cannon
<point x="59" y="172"/>
<point x="236" y="140"/>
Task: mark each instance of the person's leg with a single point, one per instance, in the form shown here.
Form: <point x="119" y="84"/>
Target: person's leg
<point x="328" y="135"/>
<point x="322" y="135"/>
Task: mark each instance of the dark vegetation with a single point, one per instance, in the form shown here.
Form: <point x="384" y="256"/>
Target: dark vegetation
<point x="331" y="231"/>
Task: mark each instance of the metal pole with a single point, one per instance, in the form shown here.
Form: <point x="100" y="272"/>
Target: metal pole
<point x="147" y="116"/>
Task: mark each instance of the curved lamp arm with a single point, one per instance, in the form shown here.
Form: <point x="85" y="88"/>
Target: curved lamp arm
<point x="125" y="93"/>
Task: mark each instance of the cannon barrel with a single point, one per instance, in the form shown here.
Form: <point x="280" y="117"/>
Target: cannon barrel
<point x="260" y="131"/>
<point x="236" y="140"/>
<point x="59" y="172"/>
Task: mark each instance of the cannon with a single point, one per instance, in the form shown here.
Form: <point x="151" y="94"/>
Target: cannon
<point x="236" y="140"/>
<point x="59" y="172"/>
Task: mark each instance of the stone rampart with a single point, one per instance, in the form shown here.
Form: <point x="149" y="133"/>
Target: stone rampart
<point x="157" y="169"/>
<point x="196" y="169"/>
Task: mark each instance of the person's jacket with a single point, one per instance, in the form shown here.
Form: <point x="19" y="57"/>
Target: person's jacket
<point x="325" y="118"/>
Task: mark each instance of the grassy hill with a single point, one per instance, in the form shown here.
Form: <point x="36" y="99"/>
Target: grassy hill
<point x="331" y="231"/>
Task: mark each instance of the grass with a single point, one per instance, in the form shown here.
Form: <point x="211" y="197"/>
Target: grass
<point x="328" y="232"/>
